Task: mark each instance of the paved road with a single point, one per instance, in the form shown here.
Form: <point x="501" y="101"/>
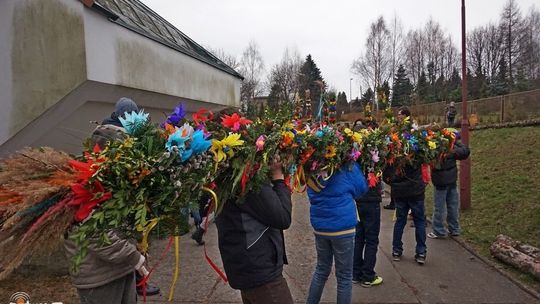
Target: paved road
<point x="450" y="275"/>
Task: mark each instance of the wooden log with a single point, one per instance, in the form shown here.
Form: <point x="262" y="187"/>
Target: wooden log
<point x="513" y="253"/>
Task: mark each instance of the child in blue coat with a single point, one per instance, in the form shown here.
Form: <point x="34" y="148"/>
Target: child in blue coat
<point x="333" y="217"/>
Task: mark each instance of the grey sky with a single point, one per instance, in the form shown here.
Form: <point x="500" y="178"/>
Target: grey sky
<point x="333" y="32"/>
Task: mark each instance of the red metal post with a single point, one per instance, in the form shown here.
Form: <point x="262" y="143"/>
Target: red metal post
<point x="465" y="165"/>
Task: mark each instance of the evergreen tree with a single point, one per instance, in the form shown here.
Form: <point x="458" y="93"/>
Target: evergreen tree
<point x="401" y="88"/>
<point x="422" y="88"/>
<point x="454" y="86"/>
<point x="273" y="97"/>
<point x="342" y="104"/>
<point x="310" y="79"/>
<point x="521" y="81"/>
<point x="500" y="85"/>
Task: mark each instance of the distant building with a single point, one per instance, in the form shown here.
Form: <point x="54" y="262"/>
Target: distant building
<point x="65" y="63"/>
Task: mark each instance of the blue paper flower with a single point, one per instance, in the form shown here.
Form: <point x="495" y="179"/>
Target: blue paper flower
<point x="177" y="140"/>
<point x="133" y="121"/>
<point x="199" y="143"/>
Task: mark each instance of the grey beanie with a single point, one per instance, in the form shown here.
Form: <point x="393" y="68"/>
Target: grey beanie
<point x="125" y="105"/>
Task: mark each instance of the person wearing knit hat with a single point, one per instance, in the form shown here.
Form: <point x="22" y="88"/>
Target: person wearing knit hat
<point x="123" y="105"/>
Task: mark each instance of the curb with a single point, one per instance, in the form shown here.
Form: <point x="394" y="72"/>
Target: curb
<point x="496" y="267"/>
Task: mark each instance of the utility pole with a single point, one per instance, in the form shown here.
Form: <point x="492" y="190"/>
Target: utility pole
<point x="350" y="95"/>
<point x="464" y="165"/>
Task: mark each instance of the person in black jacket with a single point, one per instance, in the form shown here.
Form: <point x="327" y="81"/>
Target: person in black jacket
<point x="367" y="237"/>
<point x="367" y="231"/>
<point x="251" y="241"/>
<point x="408" y="189"/>
<point x="445" y="195"/>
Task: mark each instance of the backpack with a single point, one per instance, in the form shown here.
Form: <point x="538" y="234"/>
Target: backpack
<point x="104" y="134"/>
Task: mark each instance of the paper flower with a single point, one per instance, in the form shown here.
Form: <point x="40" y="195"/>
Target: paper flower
<point x="199" y="143"/>
<point x="432" y="145"/>
<point x="374" y="155"/>
<point x="259" y="144"/>
<point x="177" y="115"/>
<point x="133" y="121"/>
<point x="224" y="148"/>
<point x="330" y="151"/>
<point x="355" y="154"/>
<point x="234" y="121"/>
<point x="202" y="116"/>
<point x="186" y="130"/>
<point x="176" y="139"/>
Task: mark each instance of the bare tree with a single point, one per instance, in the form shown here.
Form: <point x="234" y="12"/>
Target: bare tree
<point x="476" y="49"/>
<point x="415" y="52"/>
<point x="252" y="68"/>
<point x="227" y="58"/>
<point x="511" y="26"/>
<point x="494" y="50"/>
<point x="374" y="67"/>
<point x="396" y="38"/>
<point x="531" y="44"/>
<point x="284" y="75"/>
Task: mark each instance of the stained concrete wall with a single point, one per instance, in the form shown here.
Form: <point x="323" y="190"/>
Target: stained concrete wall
<point x="64" y="65"/>
<point x="120" y="56"/>
<point x="42" y="57"/>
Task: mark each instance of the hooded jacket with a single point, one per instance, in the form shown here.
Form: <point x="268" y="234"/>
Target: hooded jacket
<point x="333" y="211"/>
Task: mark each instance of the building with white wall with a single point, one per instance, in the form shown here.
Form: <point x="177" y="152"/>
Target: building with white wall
<point x="65" y="63"/>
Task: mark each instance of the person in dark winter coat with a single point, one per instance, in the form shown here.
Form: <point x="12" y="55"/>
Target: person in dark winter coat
<point x="251" y="241"/>
<point x="445" y="195"/>
<point x="333" y="216"/>
<point x="408" y="189"/>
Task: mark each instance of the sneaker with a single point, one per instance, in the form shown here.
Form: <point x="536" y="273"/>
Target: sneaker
<point x="454" y="233"/>
<point x="432" y="235"/>
<point x="389" y="207"/>
<point x="377" y="281"/>
<point x="420" y="259"/>
<point x="396" y="256"/>
<point x="356" y="281"/>
<point x="198" y="235"/>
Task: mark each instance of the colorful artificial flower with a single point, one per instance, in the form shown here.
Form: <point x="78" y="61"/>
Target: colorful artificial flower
<point x="259" y="144"/>
<point x="355" y="154"/>
<point x="432" y="145"/>
<point x="186" y="130"/>
<point x="287" y="138"/>
<point x="234" y="121"/>
<point x="199" y="143"/>
<point x="374" y="155"/>
<point x="202" y="116"/>
<point x="224" y="148"/>
<point x="133" y="121"/>
<point x="330" y="151"/>
<point x="176" y="140"/>
<point x="176" y="116"/>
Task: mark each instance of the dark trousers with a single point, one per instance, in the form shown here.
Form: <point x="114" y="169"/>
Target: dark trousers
<point x="403" y="205"/>
<point x="119" y="291"/>
<point x="274" y="292"/>
<point x="366" y="241"/>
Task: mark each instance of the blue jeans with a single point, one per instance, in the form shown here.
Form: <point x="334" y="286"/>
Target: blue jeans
<point x="366" y="241"/>
<point x="446" y="200"/>
<point x="417" y="209"/>
<point x="341" y="250"/>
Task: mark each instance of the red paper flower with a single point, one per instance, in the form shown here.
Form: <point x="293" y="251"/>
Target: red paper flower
<point x="87" y="200"/>
<point x="202" y="116"/>
<point x="234" y="121"/>
<point x="373" y="180"/>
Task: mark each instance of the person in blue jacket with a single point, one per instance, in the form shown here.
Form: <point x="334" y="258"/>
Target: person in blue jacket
<point x="333" y="217"/>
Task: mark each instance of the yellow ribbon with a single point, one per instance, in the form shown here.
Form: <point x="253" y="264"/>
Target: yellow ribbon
<point x="300" y="180"/>
<point x="146" y="232"/>
<point x="214" y="197"/>
<point x="177" y="266"/>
